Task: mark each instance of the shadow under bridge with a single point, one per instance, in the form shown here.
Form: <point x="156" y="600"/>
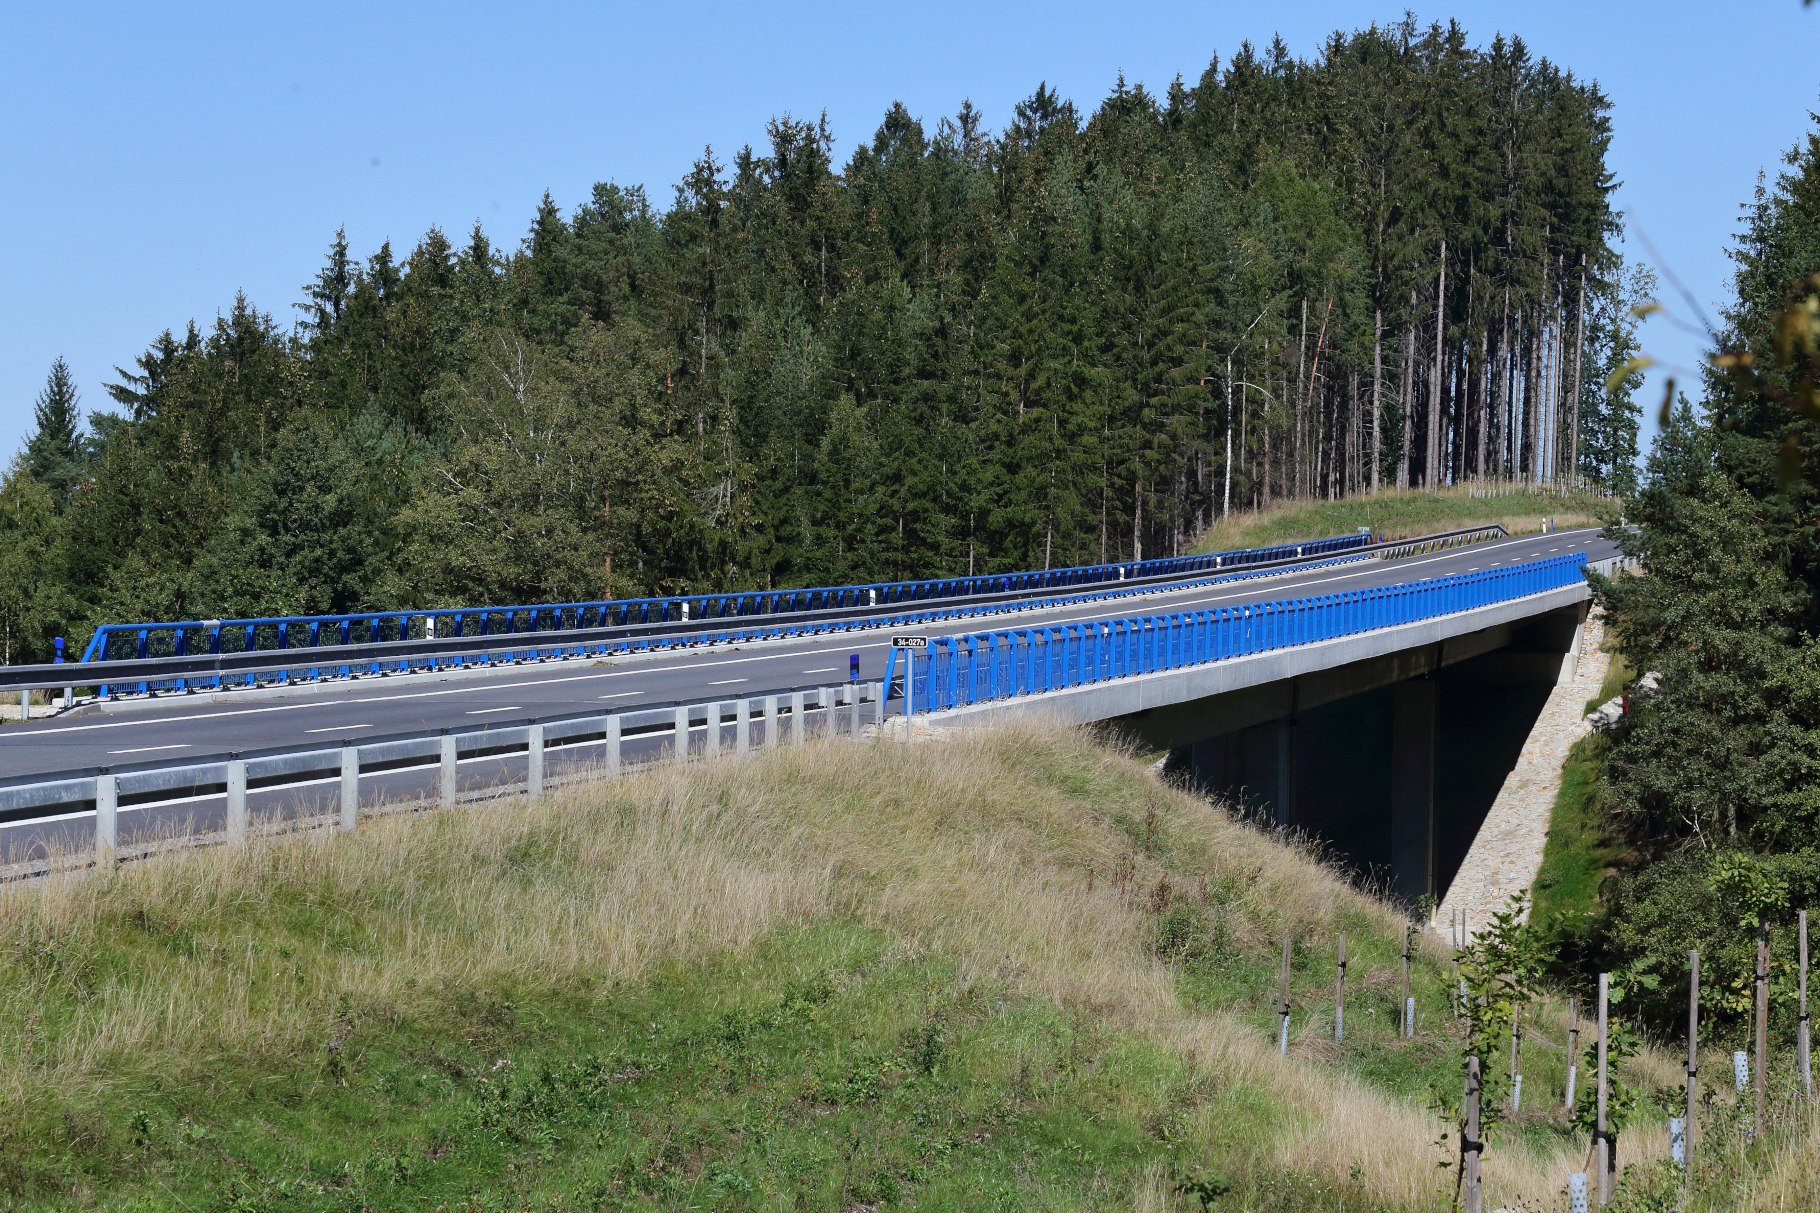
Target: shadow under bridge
<point x="1392" y="761"/>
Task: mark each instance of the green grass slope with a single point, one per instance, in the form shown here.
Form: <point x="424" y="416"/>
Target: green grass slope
<point x="1007" y="970"/>
<point x="1400" y="515"/>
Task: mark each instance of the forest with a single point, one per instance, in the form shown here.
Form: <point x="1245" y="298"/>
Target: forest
<point x="1710" y="801"/>
<point x="1076" y="338"/>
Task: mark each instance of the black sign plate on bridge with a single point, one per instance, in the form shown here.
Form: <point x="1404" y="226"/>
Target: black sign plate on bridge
<point x="909" y="642"/>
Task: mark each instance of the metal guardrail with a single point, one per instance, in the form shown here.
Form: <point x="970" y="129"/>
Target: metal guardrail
<point x="217" y="670"/>
<point x="784" y="715"/>
<point x="1003" y="664"/>
<point x="1397" y="548"/>
<point x="372" y="627"/>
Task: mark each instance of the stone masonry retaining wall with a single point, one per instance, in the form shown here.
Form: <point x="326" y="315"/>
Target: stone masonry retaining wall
<point x="1507" y="853"/>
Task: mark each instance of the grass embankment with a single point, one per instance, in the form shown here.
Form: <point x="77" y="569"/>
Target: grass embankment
<point x="1579" y="853"/>
<point x="1009" y="970"/>
<point x="1401" y="515"/>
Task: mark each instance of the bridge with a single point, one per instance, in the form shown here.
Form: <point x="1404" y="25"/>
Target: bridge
<point x="1364" y="691"/>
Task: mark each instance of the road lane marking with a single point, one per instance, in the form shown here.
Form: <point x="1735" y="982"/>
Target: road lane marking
<point x="621" y="694"/>
<point x="728" y="682"/>
<point x="832" y="669"/>
<point x="341" y="728"/>
<point x="489" y="711"/>
<point x="147" y="749"/>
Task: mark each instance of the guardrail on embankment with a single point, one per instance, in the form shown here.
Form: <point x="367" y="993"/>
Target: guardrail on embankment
<point x="660" y="733"/>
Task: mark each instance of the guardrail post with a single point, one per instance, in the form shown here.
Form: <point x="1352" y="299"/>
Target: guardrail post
<point x="350" y="787"/>
<point x="534" y="761"/>
<point x="682" y="735"/>
<point x="107" y="811"/>
<point x="236" y="799"/>
<point x="612" y="731"/>
<point x="772" y="736"/>
<point x="448" y="769"/>
<point x="853" y="697"/>
<point x="796" y="718"/>
<point x="742" y="727"/>
<point x="878" y="705"/>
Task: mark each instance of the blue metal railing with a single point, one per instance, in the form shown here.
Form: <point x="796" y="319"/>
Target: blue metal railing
<point x="377" y="627"/>
<point x="1003" y="664"/>
<point x="563" y="644"/>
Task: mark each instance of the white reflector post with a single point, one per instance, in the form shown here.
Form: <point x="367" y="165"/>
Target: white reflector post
<point x="448" y="770"/>
<point x="534" y="762"/>
<point x="350" y="787"/>
<point x="107" y="810"/>
<point x="236" y="799"/>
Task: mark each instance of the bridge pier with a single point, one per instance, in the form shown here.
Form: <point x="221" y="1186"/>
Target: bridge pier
<point x="1412" y="789"/>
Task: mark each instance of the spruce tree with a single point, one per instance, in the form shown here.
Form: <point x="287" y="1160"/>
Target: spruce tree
<point x="54" y="451"/>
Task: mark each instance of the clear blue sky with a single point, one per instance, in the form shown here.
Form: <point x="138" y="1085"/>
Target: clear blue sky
<point x="162" y="157"/>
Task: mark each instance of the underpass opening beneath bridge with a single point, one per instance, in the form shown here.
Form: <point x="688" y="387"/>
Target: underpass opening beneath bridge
<point x="1393" y="780"/>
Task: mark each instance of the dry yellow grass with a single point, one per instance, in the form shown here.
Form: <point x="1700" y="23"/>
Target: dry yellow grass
<point x="1002" y="850"/>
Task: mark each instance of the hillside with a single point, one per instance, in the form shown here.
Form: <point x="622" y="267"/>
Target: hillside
<point x="1009" y="970"/>
<point x="1411" y="512"/>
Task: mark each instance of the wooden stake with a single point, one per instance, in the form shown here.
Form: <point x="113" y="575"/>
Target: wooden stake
<point x="1604" y="1156"/>
<point x="1458" y="930"/>
<point x="1803" y="1038"/>
<point x="1404" y="1027"/>
<point x="1339" y="993"/>
<point x="1469" y="1142"/>
<point x="1693" y="1059"/>
<point x="1283" y="1027"/>
<point x="1762" y="1022"/>
<point x="1516" y="1061"/>
<point x="1573" y="1050"/>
